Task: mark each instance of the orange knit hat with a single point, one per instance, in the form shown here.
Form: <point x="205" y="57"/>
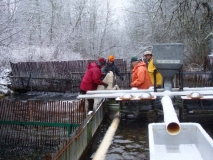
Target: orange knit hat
<point x="111" y="58"/>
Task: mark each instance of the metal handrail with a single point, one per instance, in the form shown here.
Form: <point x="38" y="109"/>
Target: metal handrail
<point x="46" y="124"/>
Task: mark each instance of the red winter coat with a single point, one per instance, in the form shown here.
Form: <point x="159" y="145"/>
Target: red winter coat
<point x="92" y="77"/>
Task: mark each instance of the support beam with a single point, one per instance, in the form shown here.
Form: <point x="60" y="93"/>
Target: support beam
<point x="148" y="90"/>
<point x="123" y="91"/>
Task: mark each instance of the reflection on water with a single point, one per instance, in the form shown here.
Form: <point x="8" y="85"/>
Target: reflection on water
<point x="130" y="140"/>
<point x="43" y="96"/>
<point x="208" y="128"/>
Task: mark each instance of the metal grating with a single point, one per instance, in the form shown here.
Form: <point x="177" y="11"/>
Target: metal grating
<point x="39" y="123"/>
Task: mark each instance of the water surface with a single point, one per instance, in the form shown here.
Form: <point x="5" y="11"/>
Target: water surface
<point x="130" y="141"/>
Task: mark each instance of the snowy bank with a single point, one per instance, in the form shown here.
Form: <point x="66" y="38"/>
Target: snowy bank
<point x="5" y="81"/>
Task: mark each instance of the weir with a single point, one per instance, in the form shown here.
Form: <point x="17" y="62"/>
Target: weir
<point x="47" y="130"/>
<point x="63" y="127"/>
<point x="34" y="123"/>
<point x="168" y="59"/>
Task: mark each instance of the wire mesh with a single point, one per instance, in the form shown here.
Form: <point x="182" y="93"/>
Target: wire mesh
<point x="45" y="113"/>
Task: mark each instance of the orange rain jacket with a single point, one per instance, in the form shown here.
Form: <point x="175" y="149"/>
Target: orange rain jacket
<point x="140" y="77"/>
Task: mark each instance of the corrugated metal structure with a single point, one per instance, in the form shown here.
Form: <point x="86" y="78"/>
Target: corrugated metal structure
<point x="56" y="76"/>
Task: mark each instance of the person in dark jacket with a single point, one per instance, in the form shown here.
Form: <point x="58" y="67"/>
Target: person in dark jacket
<point x="92" y="78"/>
<point x="110" y="66"/>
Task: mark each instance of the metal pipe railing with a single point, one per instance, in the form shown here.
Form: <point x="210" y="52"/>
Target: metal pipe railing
<point x="136" y="94"/>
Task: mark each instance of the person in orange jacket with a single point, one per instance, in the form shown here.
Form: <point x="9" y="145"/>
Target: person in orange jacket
<point x="140" y="75"/>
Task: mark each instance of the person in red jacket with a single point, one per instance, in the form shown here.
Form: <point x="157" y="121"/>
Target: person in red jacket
<point x="140" y="75"/>
<point x="92" y="78"/>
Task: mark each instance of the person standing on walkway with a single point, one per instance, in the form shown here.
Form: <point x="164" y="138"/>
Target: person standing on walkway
<point x="92" y="78"/>
<point x="111" y="66"/>
<point x="140" y="75"/>
<point x="158" y="81"/>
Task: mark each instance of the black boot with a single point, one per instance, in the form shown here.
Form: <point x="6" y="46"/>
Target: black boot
<point x="91" y="103"/>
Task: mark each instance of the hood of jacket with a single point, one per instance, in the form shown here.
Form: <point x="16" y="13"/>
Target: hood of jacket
<point x="93" y="65"/>
<point x="138" y="65"/>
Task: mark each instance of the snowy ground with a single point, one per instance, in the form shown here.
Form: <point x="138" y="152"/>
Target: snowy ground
<point x="4" y="80"/>
<point x="29" y="54"/>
